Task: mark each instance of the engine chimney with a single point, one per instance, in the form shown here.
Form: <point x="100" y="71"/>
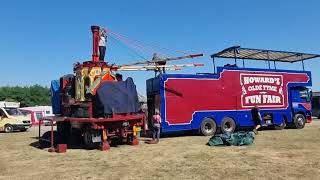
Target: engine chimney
<point x="95" y="43"/>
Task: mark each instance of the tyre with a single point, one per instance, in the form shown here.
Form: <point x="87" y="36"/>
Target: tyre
<point x="64" y="129"/>
<point x="88" y="140"/>
<point x="45" y="140"/>
<point x="8" y="128"/>
<point x="228" y="125"/>
<point x="282" y="125"/>
<point x="208" y="127"/>
<point x="299" y="121"/>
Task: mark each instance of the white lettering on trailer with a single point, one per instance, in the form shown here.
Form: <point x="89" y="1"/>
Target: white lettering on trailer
<point x="271" y="80"/>
<point x="255" y="99"/>
<point x="261" y="89"/>
<point x="271" y="99"/>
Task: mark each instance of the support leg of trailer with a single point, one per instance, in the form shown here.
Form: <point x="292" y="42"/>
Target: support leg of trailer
<point x="39" y="132"/>
<point x="214" y="66"/>
<point x="133" y="138"/>
<point x="135" y="141"/>
<point x="104" y="145"/>
<point x="52" y="149"/>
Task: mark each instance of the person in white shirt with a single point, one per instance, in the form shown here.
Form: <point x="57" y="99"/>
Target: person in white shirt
<point x="102" y="44"/>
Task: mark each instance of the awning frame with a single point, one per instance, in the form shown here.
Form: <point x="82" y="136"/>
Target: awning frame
<point x="236" y="52"/>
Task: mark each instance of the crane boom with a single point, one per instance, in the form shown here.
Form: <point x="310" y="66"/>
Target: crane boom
<point x="156" y="60"/>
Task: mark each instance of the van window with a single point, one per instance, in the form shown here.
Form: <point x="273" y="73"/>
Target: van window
<point x="13" y="112"/>
<point x="2" y="114"/>
<point x="47" y="112"/>
<point x="39" y="115"/>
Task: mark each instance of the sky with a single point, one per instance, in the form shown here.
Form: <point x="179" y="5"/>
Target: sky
<point x="41" y="40"/>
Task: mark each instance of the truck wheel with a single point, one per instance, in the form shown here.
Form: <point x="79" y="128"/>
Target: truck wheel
<point x="282" y="125"/>
<point x="299" y="121"/>
<point x="228" y="125"/>
<point x="8" y="128"/>
<point x="208" y="127"/>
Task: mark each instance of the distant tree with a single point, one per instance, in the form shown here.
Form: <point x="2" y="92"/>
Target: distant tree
<point x="35" y="95"/>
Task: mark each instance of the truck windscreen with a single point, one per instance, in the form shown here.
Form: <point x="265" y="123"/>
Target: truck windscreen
<point x="305" y="94"/>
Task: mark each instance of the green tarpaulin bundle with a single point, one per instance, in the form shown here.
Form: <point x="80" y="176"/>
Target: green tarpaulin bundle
<point x="235" y="139"/>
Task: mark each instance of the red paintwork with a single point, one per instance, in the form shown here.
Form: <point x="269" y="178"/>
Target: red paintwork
<point x="104" y="146"/>
<point x="135" y="141"/>
<point x="309" y="119"/>
<point x="115" y="118"/>
<point x="95" y="43"/>
<point x="196" y="55"/>
<point x="186" y="95"/>
<point x="306" y="105"/>
<point x="61" y="148"/>
<point x="33" y="115"/>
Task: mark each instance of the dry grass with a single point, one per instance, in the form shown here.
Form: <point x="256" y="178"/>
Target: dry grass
<point x="286" y="154"/>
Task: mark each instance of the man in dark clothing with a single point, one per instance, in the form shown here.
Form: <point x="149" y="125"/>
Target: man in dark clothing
<point x="119" y="77"/>
<point x="159" y="63"/>
<point x="256" y="117"/>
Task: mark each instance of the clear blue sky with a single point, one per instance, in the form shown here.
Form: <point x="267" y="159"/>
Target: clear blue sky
<point x="40" y="40"/>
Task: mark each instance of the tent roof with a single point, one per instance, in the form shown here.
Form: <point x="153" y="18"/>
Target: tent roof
<point x="236" y="52"/>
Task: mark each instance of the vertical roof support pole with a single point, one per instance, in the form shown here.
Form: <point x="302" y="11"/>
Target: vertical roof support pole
<point x="243" y="62"/>
<point x="268" y="59"/>
<point x="214" y="65"/>
<point x="235" y="56"/>
<point x="274" y="63"/>
<point x="302" y="62"/>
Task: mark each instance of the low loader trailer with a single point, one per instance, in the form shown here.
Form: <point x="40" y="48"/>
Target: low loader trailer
<point x="92" y="107"/>
<point x="223" y="100"/>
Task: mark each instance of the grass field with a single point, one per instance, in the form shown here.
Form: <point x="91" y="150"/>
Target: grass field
<point x="286" y="154"/>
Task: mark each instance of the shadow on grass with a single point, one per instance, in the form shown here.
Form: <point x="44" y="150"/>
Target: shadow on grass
<point x="73" y="142"/>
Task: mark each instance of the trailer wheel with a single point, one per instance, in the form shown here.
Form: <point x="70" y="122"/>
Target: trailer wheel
<point x="8" y="128"/>
<point x="87" y="138"/>
<point x="299" y="121"/>
<point x="228" y="125"/>
<point x="208" y="127"/>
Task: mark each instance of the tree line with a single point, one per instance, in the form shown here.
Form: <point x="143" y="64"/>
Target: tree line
<point x="35" y="95"/>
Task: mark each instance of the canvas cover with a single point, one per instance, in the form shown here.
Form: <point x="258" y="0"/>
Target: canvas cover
<point x="116" y="97"/>
<point x="235" y="139"/>
<point x="55" y="96"/>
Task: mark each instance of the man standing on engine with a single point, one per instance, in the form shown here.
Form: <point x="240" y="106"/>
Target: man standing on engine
<point x="102" y="44"/>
